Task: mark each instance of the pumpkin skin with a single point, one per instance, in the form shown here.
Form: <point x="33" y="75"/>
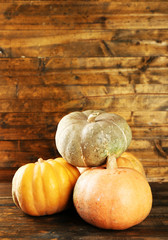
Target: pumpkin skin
<point x="86" y="139"/>
<point x="112" y="198"/>
<point x="44" y="187"/>
<point x="127" y="160"/>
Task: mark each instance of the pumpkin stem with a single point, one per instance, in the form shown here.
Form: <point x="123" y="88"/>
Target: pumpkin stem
<point x="111" y="162"/>
<point x="40" y="160"/>
<point x="92" y="116"/>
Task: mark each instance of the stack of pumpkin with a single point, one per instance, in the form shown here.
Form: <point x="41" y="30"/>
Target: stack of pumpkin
<point x="107" y="184"/>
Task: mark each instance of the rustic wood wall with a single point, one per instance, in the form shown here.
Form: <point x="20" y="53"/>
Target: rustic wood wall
<point x="62" y="56"/>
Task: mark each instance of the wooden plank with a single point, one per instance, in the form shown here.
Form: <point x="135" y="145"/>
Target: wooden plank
<point x="23" y="8"/>
<point x="11" y="19"/>
<point x="125" y="103"/>
<point x="23" y="66"/>
<point x="112" y="103"/>
<point x="67" y="92"/>
<point x="32" y="38"/>
<point x="113" y="77"/>
<point x="90" y="49"/>
<point x="35" y="43"/>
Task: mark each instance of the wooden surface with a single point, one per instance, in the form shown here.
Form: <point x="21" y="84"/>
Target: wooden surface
<point x="63" y="56"/>
<point x="68" y="225"/>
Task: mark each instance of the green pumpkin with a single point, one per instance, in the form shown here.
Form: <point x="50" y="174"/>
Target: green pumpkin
<point x="88" y="138"/>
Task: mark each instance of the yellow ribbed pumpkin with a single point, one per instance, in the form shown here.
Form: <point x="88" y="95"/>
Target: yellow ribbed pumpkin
<point x="44" y="187"/>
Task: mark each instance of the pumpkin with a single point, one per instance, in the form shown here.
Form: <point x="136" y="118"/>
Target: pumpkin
<point x="88" y="138"/>
<point x="127" y="160"/>
<point x="112" y="198"/>
<point x="44" y="187"/>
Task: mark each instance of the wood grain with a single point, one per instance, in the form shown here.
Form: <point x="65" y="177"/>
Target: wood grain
<point x="93" y="43"/>
<point x="68" y="43"/>
<point x="59" y="92"/>
<point x="81" y="16"/>
<point x="83" y="7"/>
<point x="40" y="65"/>
<point x="63" y="56"/>
<point x="114" y="77"/>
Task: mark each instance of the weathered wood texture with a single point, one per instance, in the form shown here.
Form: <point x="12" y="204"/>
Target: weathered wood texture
<point x="68" y="225"/>
<point x="62" y="56"/>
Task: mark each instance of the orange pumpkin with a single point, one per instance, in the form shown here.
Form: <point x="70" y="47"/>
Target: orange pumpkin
<point x="112" y="198"/>
<point x="128" y="160"/>
<point x="44" y="187"/>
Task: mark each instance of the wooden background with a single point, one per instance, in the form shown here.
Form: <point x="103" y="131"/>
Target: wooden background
<point x="62" y="56"/>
